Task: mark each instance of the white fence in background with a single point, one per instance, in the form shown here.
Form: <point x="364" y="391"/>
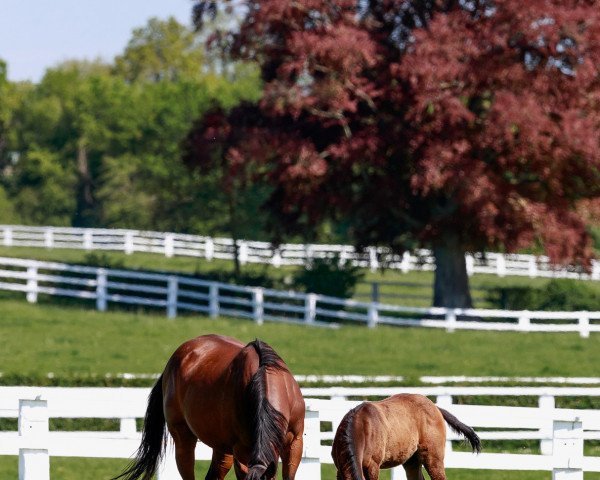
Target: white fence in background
<point x="176" y="293"/>
<point x="564" y="431"/>
<point x="210" y="248"/>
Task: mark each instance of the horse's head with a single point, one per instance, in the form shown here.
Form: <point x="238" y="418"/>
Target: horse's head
<point x="261" y="472"/>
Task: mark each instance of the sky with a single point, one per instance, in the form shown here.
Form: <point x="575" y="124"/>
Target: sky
<point x="37" y="34"/>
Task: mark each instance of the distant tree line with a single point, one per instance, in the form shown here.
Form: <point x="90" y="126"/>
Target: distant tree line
<point x="99" y="144"/>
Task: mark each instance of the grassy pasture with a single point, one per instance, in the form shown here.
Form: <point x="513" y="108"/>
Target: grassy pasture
<point x="69" y="341"/>
<point x="102" y="469"/>
<point x="75" y="342"/>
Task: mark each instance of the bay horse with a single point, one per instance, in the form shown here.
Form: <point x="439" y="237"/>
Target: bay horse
<point x="404" y="429"/>
<point x="240" y="400"/>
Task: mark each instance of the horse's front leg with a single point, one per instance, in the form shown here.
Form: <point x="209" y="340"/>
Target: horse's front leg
<point x="291" y="456"/>
<point x="219" y="466"/>
<point x="240" y="470"/>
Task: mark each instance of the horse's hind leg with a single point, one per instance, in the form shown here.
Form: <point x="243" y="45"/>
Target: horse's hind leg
<point x="185" y="446"/>
<point x="434" y="464"/>
<point x="413" y="469"/>
<point x="219" y="466"/>
<point x="290" y="457"/>
<point x="371" y="471"/>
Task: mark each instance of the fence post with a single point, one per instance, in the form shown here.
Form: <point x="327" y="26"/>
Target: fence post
<point x="213" y="300"/>
<point x="169" y="245"/>
<point x="445" y="401"/>
<point x="372" y="315"/>
<point x="524" y="321"/>
<point x="584" y="324"/>
<point x="8" y="236"/>
<point x="209" y="249"/>
<point x="500" y="265"/>
<point x="243" y="252"/>
<point x="398" y="473"/>
<point x="470" y="263"/>
<point x="450" y="320"/>
<point x="88" y="242"/>
<point x="258" y="309"/>
<point x="128" y="247"/>
<point x="533" y="270"/>
<point x="568" y="450"/>
<point x="276" y="259"/>
<point x="373" y="261"/>
<point x="167" y="470"/>
<point x="32" y="284"/>
<point x="310" y="308"/>
<point x="34" y="461"/>
<point x="546" y="403"/>
<point x="128" y="426"/>
<point x="172" y="291"/>
<point x="405" y="265"/>
<point x="375" y="291"/>
<point x="101" y="290"/>
<point x="595" y="270"/>
<point x="49" y="237"/>
<point x="310" y="466"/>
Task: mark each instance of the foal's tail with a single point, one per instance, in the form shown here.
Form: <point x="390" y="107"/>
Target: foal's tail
<point x="463" y="429"/>
<point x="154" y="434"/>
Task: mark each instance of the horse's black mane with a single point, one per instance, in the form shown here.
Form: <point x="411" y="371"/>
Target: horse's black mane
<point x="267" y="424"/>
<point x="346" y="439"/>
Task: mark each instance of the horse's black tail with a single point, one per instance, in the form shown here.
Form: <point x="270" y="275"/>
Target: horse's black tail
<point x="154" y="435"/>
<point x="463" y="429"/>
<point x="268" y="425"/>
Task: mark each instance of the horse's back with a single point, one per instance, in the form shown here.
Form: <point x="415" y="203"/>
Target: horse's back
<point x="196" y="385"/>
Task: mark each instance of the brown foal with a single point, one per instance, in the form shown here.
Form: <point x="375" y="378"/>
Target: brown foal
<point x="406" y="429"/>
<point x="240" y="400"/>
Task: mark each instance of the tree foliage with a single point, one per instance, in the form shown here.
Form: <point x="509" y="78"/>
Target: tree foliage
<point x="456" y="125"/>
<point x="99" y="144"/>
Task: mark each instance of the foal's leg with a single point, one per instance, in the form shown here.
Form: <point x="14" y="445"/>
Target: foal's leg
<point x="412" y="467"/>
<point x="290" y="458"/>
<point x="219" y="466"/>
<point x="434" y="464"/>
<point x="371" y="471"/>
<point x="185" y="445"/>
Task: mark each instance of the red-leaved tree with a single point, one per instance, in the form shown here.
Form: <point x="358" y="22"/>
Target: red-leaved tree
<point x="462" y="125"/>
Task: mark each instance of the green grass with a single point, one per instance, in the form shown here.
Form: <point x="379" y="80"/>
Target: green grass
<point x="42" y="338"/>
<point x="102" y="469"/>
<point x="72" y="341"/>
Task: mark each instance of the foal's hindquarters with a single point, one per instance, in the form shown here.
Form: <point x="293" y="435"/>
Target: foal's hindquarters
<point x="407" y="430"/>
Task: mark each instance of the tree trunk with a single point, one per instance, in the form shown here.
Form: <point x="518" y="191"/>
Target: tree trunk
<point x="451" y="285"/>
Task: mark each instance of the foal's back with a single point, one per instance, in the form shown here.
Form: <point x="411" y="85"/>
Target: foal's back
<point x="387" y="433"/>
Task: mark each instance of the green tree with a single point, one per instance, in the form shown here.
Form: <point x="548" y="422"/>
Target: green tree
<point x="44" y="189"/>
<point x="161" y="50"/>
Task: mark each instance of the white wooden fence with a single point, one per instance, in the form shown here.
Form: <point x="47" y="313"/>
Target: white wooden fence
<point x="209" y="248"/>
<point x="565" y="430"/>
<point x="176" y="293"/>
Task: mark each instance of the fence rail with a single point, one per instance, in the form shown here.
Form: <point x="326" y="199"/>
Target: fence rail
<point x="175" y="293"/>
<point x="564" y="431"/>
<point x="210" y="248"/>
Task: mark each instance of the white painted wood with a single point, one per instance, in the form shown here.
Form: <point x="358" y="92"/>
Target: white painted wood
<point x="570" y="427"/>
<point x="258" y="309"/>
<point x="284" y="304"/>
<point x="172" y="294"/>
<point x="32" y="284"/>
<point x="101" y="289"/>
<point x="34" y="460"/>
<point x="567" y="450"/>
